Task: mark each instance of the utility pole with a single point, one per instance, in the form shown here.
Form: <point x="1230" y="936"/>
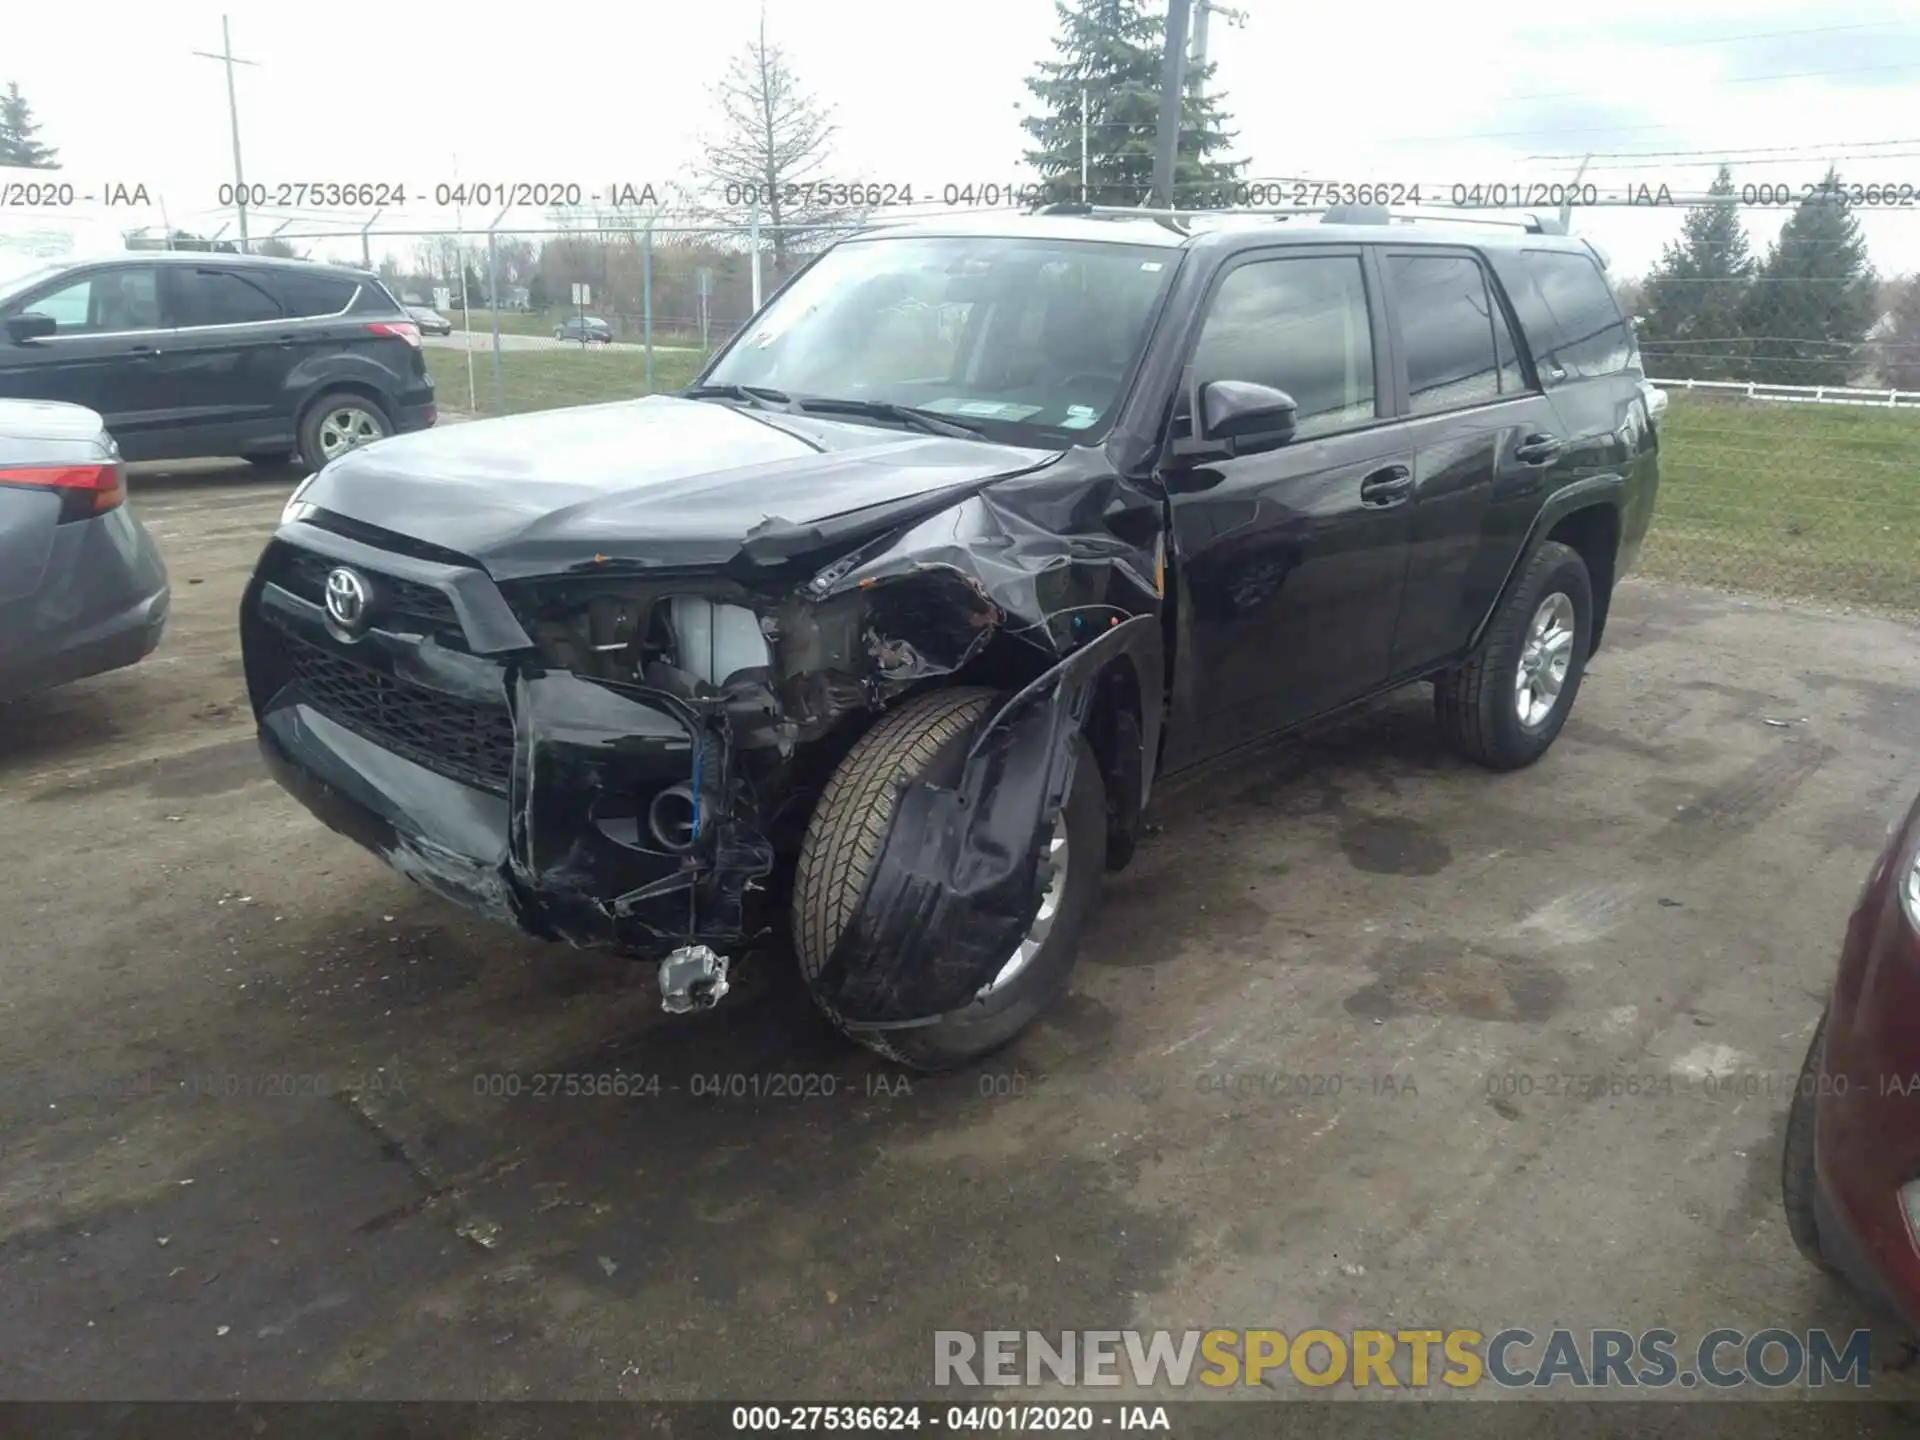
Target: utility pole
<point x="1197" y="58"/>
<point x="1083" y="144"/>
<point x="1566" y="209"/>
<point x="1172" y="80"/>
<point x="227" y="57"/>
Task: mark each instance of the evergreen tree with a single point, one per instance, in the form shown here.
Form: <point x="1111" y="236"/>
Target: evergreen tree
<point x="1815" y="297"/>
<point x="1692" y="298"/>
<point x="1115" y="49"/>
<point x="18" y="147"/>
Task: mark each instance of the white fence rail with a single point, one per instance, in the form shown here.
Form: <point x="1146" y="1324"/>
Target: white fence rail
<point x="1798" y="394"/>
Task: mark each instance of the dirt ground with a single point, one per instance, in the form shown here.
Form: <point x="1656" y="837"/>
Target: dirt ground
<point x="253" y="1145"/>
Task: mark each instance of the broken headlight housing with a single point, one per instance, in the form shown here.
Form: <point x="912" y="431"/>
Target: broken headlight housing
<point x="681" y="641"/>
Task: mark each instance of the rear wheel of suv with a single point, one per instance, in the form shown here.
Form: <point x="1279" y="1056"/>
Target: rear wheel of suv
<point x="337" y="422"/>
<point x="1506" y="705"/>
<point x="927" y="739"/>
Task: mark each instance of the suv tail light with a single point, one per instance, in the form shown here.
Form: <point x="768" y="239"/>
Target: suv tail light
<point x="84" y="490"/>
<point x="399" y="329"/>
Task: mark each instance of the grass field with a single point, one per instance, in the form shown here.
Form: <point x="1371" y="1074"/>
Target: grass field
<point x="1816" y="502"/>
<point x="549" y="379"/>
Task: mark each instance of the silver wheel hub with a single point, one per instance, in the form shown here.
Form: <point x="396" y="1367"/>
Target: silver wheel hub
<point x="1546" y="655"/>
<point x="347" y="427"/>
<point x="1043" y="918"/>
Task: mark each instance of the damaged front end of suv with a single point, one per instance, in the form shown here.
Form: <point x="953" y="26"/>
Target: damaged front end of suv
<point x="623" y="753"/>
<point x="882" y="654"/>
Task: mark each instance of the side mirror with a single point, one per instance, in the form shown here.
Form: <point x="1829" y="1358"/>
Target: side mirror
<point x="1241" y="410"/>
<point x="31" y="325"/>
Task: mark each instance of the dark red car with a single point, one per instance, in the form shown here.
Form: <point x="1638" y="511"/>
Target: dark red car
<point x="1850" y="1176"/>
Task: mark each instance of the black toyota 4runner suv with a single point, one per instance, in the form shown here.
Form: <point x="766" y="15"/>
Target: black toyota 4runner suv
<point x="893" y="619"/>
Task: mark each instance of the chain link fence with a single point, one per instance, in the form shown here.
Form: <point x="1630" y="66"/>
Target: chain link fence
<point x="1808" y="493"/>
<point x="1791" y="497"/>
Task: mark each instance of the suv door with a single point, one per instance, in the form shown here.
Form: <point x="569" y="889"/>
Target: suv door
<point x="227" y="362"/>
<point x="1482" y="433"/>
<point x="1290" y="561"/>
<point x="1588" y="363"/>
<point x="111" y="328"/>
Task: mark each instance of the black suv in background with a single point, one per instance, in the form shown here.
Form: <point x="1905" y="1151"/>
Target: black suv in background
<point x="204" y="354"/>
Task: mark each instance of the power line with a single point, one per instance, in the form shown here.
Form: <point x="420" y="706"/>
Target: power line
<point x="1723" y="150"/>
<point x="1776" y="34"/>
<point x="1733" y="80"/>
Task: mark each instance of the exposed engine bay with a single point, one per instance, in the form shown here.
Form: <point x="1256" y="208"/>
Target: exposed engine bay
<point x="672" y="727"/>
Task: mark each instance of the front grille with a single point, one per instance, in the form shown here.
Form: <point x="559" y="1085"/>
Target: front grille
<point x="304" y="573"/>
<point x="466" y="740"/>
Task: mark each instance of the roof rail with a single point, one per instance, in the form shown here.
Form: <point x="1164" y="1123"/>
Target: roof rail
<point x="1528" y="220"/>
<point x="1531" y="222"/>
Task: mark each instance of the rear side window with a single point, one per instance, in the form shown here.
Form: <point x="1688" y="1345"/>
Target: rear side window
<point x="220" y="297"/>
<point x="1447" y="326"/>
<point x="303" y="294"/>
<point x="373" y="299"/>
<point x="1581" y="333"/>
<point x="1299" y="325"/>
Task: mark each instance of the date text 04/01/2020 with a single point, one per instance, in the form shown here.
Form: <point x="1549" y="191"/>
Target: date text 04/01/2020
<point x="955" y="1419"/>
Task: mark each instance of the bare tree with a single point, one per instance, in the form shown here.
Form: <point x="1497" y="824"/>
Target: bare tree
<point x="773" y="140"/>
<point x="1896" y="342"/>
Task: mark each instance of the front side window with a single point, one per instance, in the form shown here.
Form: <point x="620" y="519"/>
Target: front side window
<point x="1030" y="338"/>
<point x="105" y="302"/>
<point x="1299" y="325"/>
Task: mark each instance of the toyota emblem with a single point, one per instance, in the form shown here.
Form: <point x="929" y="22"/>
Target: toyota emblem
<point x="346" y="598"/>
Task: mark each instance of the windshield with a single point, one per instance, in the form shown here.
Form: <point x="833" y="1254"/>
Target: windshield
<point x="1010" y="336"/>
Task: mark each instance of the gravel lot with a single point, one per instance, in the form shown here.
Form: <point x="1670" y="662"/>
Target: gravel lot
<point x="1662" y="896"/>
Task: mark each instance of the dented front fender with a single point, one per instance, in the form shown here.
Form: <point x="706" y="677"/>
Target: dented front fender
<point x="958" y="877"/>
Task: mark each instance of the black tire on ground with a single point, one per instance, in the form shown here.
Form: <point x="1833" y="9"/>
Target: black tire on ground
<point x="1477" y="704"/>
<point x="1796" y="1157"/>
<point x="316" y="413"/>
<point x="927" y="739"/>
<point x="267" y="459"/>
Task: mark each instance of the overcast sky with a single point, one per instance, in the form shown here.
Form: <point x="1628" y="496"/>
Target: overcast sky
<point x="925" y="93"/>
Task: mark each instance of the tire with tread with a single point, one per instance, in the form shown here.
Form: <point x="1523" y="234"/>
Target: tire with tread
<point x="1797" y="1180"/>
<point x="1474" y="703"/>
<point x="927" y="739"/>
<point x="316" y="411"/>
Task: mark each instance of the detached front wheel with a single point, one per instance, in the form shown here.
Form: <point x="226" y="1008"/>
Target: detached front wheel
<point x="927" y="739"/>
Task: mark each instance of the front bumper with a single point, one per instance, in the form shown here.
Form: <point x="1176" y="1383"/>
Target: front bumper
<point x="1867" y="1127"/>
<point x="516" y="792"/>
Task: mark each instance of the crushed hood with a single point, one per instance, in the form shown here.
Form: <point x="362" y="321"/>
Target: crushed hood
<point x="661" y="481"/>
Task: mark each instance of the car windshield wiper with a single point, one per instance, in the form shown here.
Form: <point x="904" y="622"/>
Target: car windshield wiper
<point x="760" y="397"/>
<point x="922" y="420"/>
